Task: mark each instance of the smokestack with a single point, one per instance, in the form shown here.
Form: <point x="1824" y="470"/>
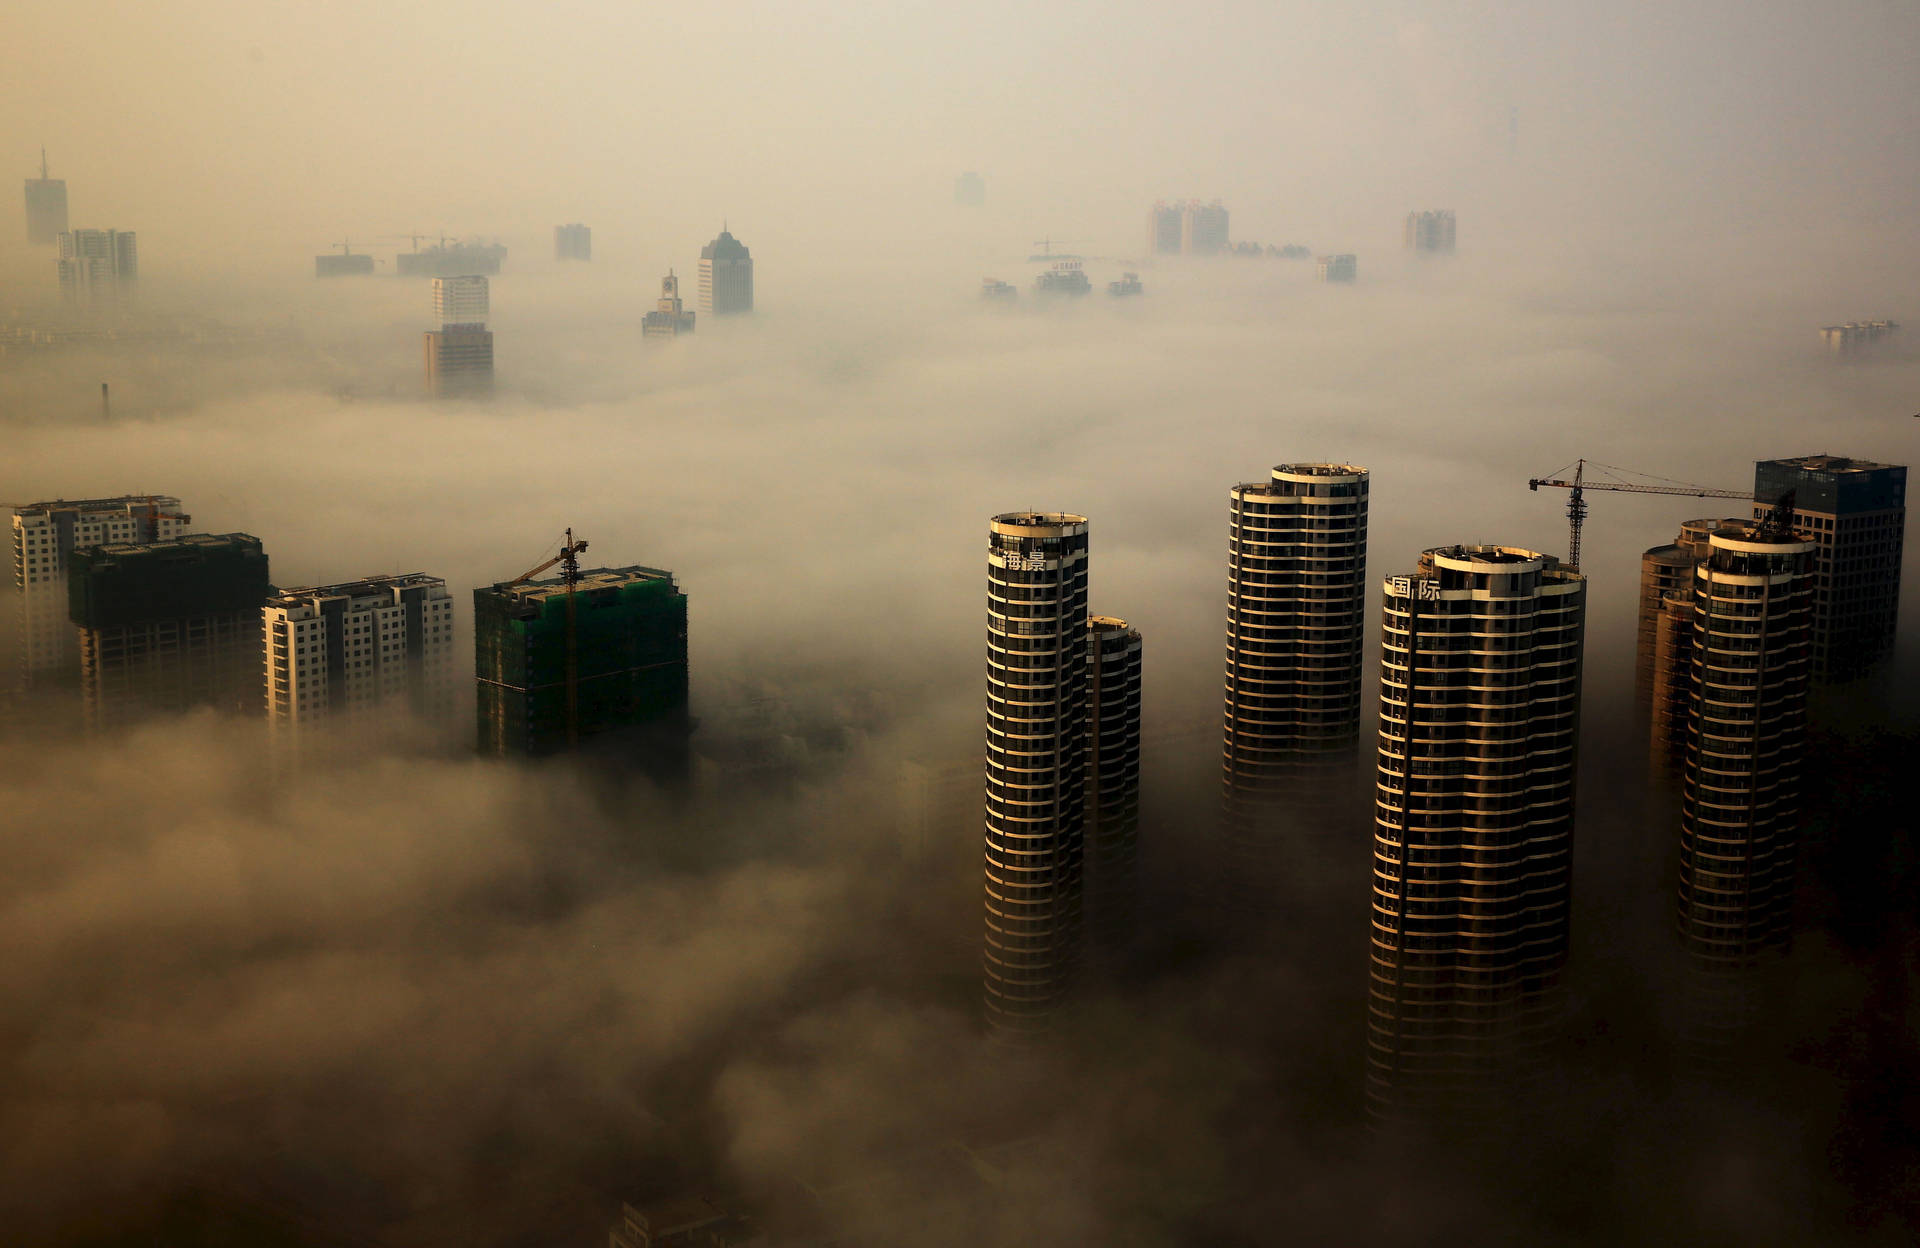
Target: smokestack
<point x="106" y="408"/>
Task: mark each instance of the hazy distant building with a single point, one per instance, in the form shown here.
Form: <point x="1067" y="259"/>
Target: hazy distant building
<point x="572" y="242"/>
<point x="460" y="300"/>
<point x="46" y="207"/>
<point x="168" y="626"/>
<point x="1431" y="232"/>
<point x="1036" y="765"/>
<point x="459" y="361"/>
<point x="98" y="266"/>
<point x="726" y="277"/>
<point x="669" y="317"/>
<point x="970" y="190"/>
<point x="1856" y="338"/>
<point x="45" y="536"/>
<point x="1296" y="628"/>
<point x="609" y="666"/>
<point x="1473" y="829"/>
<point x="1203" y="228"/>
<point x="1855" y="514"/>
<point x="345" y="652"/>
<point x="1112" y="852"/>
<point x="1065" y="277"/>
<point x="346" y="264"/>
<point x="1164" y="229"/>
<point x="1339" y="268"/>
<point x="994" y="288"/>
<point x="445" y="259"/>
<point x="1745" y="751"/>
<point x="1128" y="284"/>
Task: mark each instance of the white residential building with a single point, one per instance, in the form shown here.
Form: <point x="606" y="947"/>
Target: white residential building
<point x="45" y="535"/>
<point x="377" y="646"/>
<point x="460" y="300"/>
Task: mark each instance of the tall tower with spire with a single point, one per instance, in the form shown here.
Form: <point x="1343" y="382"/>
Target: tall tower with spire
<point x="726" y="276"/>
<point x="46" y="207"/>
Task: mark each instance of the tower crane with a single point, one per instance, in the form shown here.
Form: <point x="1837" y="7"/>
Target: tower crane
<point x="1579" y="484"/>
<point x="569" y="561"/>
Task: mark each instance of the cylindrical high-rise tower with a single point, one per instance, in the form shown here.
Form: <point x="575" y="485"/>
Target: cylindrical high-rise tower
<point x="1746" y="741"/>
<point x="1036" y="764"/>
<point x="1473" y="827"/>
<point x="1296" y="604"/>
<point x="1113" y="781"/>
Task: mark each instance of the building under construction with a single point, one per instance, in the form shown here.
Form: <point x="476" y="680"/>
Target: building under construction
<point x="606" y="662"/>
<point x="171" y="625"/>
<point x="455" y="259"/>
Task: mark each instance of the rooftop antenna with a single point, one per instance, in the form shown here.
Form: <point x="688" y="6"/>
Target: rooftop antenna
<point x="43" y="162"/>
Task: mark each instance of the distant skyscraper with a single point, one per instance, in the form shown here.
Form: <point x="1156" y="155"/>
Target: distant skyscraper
<point x="459" y="361"/>
<point x="1854" y="339"/>
<point x="347" y="264"/>
<point x="98" y="266"/>
<point x="1473" y="839"/>
<point x="1113" y="781"/>
<point x="669" y="318"/>
<point x="970" y="190"/>
<point x="624" y="636"/>
<point x="460" y="300"/>
<point x="45" y="536"/>
<point x="1745" y="751"/>
<point x="346" y="652"/>
<point x="726" y="277"/>
<point x="168" y="626"/>
<point x="1036" y="766"/>
<point x="1855" y="514"/>
<point x="1165" y="224"/>
<point x="1296" y="626"/>
<point x="1431" y="232"/>
<point x="46" y="207"/>
<point x="1203" y="228"/>
<point x="572" y="242"/>
<point x="1339" y="268"/>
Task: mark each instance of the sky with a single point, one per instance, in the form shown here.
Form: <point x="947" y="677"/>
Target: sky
<point x="455" y="1002"/>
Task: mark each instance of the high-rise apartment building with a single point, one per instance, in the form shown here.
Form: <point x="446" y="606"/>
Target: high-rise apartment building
<point x="1203" y="228"/>
<point x="1749" y="660"/>
<point x="1339" y="268"/>
<point x="1855" y="514"/>
<point x="46" y="207"/>
<point x="171" y="625"/>
<point x="1665" y="570"/>
<point x="98" y="266"/>
<point x="1296" y="626"/>
<point x="1036" y="765"/>
<point x="1112" y="837"/>
<point x="669" y="318"/>
<point x="572" y="242"/>
<point x="1856" y="338"/>
<point x="606" y="663"/>
<point x="1164" y="229"/>
<point x="459" y="360"/>
<point x="1663" y="643"/>
<point x="970" y="190"/>
<point x="45" y="537"/>
<point x="1473" y="828"/>
<point x="344" y="652"/>
<point x="726" y="276"/>
<point x="1431" y="232"/>
<point x="460" y="300"/>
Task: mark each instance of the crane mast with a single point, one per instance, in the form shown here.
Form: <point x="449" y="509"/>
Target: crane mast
<point x="569" y="561"/>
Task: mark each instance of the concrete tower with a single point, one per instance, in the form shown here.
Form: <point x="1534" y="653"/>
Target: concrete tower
<point x="46" y="207"/>
<point x="1113" y="781"/>
<point x="1296" y="602"/>
<point x="1473" y="840"/>
<point x="726" y="276"/>
<point x="1749" y="663"/>
<point x="1036" y="764"/>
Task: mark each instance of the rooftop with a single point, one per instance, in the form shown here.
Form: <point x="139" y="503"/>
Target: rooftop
<point x="365" y="588"/>
<point x="726" y="247"/>
<point x="186" y="541"/>
<point x="162" y="501"/>
<point x="1831" y="463"/>
<point x="590" y="579"/>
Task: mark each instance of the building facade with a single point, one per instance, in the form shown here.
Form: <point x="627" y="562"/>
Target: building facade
<point x="459" y="361"/>
<point x="1164" y="229"/>
<point x="460" y="300"/>
<point x="45" y="537"/>
<point x="98" y="266"/>
<point x="1665" y="570"/>
<point x="1855" y="514"/>
<point x="609" y="666"/>
<point x="572" y="242"/>
<point x="1749" y="661"/>
<point x="1112" y="837"/>
<point x="168" y="626"/>
<point x="346" y="652"/>
<point x="1431" y="232"/>
<point x="1203" y="228"/>
<point x="1036" y="765"/>
<point x="46" y="207"/>
<point x="726" y="277"/>
<point x="1473" y="831"/>
<point x="1296" y="628"/>
<point x="669" y="318"/>
<point x="1339" y="268"/>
